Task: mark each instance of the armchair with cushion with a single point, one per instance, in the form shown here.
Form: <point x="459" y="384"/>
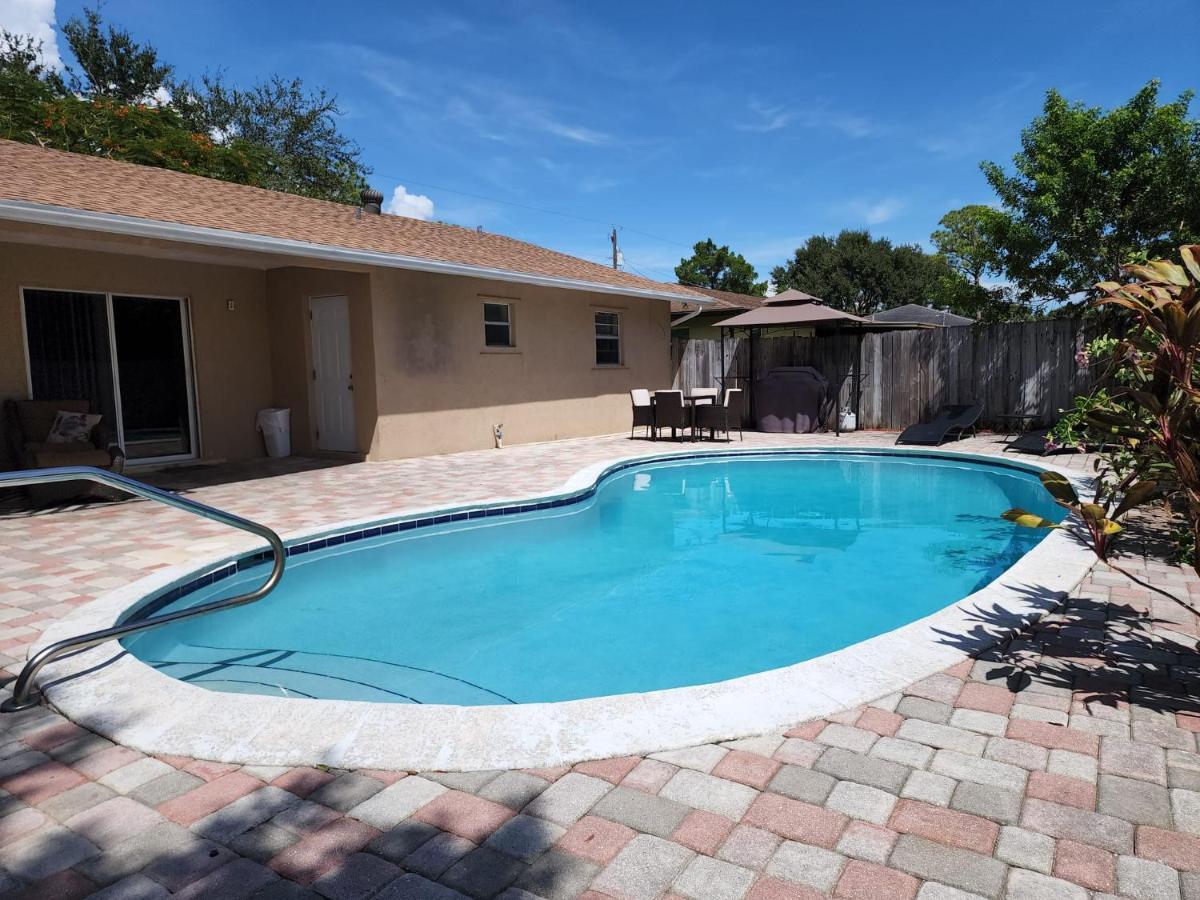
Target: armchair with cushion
<point x="27" y="426"/>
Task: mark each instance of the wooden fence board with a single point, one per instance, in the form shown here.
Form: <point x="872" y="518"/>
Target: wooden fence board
<point x="1024" y="367"/>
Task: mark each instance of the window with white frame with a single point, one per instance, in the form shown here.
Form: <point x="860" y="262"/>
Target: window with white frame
<point x="608" y="338"/>
<point x="498" y="324"/>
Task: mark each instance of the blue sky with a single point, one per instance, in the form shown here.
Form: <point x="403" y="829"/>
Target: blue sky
<point x="755" y="124"/>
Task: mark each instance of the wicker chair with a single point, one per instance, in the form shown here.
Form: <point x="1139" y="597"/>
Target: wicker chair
<point x="723" y="418"/>
<point x="26" y="425"/>
<point x="643" y="411"/>
<point x="669" y="412"/>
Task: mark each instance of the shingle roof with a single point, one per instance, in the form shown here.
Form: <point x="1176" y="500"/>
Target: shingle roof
<point x="75" y="181"/>
<point x="914" y="313"/>
<point x="721" y="300"/>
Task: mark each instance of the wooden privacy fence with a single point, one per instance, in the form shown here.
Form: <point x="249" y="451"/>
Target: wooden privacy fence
<point x="1021" y="367"/>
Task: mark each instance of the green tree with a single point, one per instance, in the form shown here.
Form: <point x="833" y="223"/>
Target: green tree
<point x="971" y="238"/>
<point x="719" y="268"/>
<point x="111" y="63"/>
<point x="309" y="155"/>
<point x="862" y="275"/>
<point x="1092" y="189"/>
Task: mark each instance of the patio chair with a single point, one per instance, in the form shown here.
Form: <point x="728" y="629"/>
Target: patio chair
<point x="1035" y="442"/>
<point x="704" y="396"/>
<point x="669" y="412"/>
<point x="723" y="418"/>
<point x="643" y="411"/>
<point x="27" y="426"/>
<point x="954" y="419"/>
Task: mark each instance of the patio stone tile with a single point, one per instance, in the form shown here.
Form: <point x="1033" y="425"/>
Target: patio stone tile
<point x="796" y="820"/>
<point x="847" y="737"/>
<point x="611" y="770"/>
<point x="964" y="767"/>
<point x="765" y="744"/>
<point x="1135" y="801"/>
<point x="303" y="780"/>
<point x="469" y="782"/>
<point x="777" y="889"/>
<point x="658" y="815"/>
<point x="898" y="750"/>
<point x="944" y="737"/>
<point x="814" y="867"/>
<point x="702" y="831"/>
<point x="847" y="766"/>
<point x="749" y="847"/>
<point x="799" y="752"/>
<point x="1026" y="885"/>
<point x="188" y="863"/>
<point x="945" y="826"/>
<point x="596" y="840"/>
<point x="991" y="698"/>
<point x="1179" y="851"/>
<point x="644" y="869"/>
<point x="315" y="854"/>
<point x="1185" y="810"/>
<point x="864" y="841"/>
<point x="402" y="840"/>
<point x="803" y="784"/>
<point x="464" y="814"/>
<point x="100" y="763"/>
<point x="566" y="801"/>
<point x="1087" y="866"/>
<point x="650" y="775"/>
<point x="234" y="881"/>
<point x="133" y="887"/>
<point x="1131" y="759"/>
<point x="941" y="687"/>
<point x="346" y="791"/>
<point x="525" y="838"/>
<point x="132" y="855"/>
<point x="868" y="881"/>
<point x="806" y="730"/>
<point x="1020" y="753"/>
<point x="1064" y="790"/>
<point x="41" y="782"/>
<point x="513" y="789"/>
<point x="1026" y="849"/>
<point x="952" y="866"/>
<point x="713" y="879"/>
<point x="112" y="821"/>
<point x="385" y="808"/>
<point x="1115" y="835"/>
<point x="244" y="813"/>
<point x="264" y="842"/>
<point x="62" y="885"/>
<point x="717" y="795"/>
<point x="1146" y="880"/>
<point x="981" y="722"/>
<point x="483" y="873"/>
<point x="702" y="758"/>
<point x="558" y="876"/>
<point x="158" y="789"/>
<point x="999" y="804"/>
<point x="1053" y="737"/>
<point x="438" y="854"/>
<point x="304" y="817"/>
<point x="1073" y="765"/>
<point x="879" y="721"/>
<point x="747" y="768"/>
<point x="413" y="887"/>
<point x="17" y="825"/>
<point x="859" y="801"/>
<point x="208" y="798"/>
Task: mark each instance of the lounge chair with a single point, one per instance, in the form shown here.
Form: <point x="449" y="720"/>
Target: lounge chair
<point x="1035" y="442"/>
<point x="669" y="412"/>
<point x="643" y="411"/>
<point x="954" y="419"/>
<point x="724" y="418"/>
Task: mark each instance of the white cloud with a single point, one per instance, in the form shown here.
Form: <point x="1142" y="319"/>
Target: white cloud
<point x="35" y="18"/>
<point x="411" y="206"/>
<point x="878" y="213"/>
<point x="766" y="118"/>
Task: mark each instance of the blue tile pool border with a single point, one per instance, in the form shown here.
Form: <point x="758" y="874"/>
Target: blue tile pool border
<point x="158" y="601"/>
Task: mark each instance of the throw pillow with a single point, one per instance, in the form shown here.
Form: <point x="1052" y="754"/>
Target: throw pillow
<point x="72" y="428"/>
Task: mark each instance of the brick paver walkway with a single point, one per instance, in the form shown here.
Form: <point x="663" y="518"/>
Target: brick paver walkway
<point x="1061" y="764"/>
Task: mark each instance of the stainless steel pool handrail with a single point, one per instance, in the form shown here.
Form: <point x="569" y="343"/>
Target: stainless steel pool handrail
<point x="20" y="698"/>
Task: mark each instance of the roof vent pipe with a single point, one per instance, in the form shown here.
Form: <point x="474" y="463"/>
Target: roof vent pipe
<point x="372" y="200"/>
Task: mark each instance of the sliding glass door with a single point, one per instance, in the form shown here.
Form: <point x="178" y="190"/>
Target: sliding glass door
<point x="127" y="356"/>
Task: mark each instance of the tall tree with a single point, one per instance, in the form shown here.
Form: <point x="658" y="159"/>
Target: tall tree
<point x="719" y="268"/>
<point x="860" y="274"/>
<point x="1092" y="188"/>
<point x="298" y="127"/>
<point x="971" y="238"/>
<point x="111" y="63"/>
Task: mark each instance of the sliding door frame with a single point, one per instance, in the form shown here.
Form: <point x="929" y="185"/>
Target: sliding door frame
<point x="185" y="337"/>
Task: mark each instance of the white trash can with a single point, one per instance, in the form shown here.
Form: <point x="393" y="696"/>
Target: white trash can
<point x="276" y="428"/>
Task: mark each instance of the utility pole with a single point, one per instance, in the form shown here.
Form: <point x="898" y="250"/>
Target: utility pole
<point x="615" y="253"/>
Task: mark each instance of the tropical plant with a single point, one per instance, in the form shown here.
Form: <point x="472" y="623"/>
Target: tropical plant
<point x="1150" y="418"/>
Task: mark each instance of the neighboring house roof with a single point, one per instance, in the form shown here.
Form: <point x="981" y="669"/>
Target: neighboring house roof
<point x="89" y="192"/>
<point x="915" y="314"/>
<point x="721" y="300"/>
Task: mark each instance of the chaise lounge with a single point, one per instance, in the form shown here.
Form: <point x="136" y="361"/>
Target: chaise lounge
<point x="953" y="419"/>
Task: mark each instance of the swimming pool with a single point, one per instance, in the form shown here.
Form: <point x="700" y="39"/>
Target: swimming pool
<point x="668" y="574"/>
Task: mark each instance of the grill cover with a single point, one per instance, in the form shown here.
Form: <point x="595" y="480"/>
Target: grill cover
<point x="789" y="400"/>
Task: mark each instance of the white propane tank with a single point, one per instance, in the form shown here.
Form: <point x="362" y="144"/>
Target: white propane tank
<point x="849" y="420"/>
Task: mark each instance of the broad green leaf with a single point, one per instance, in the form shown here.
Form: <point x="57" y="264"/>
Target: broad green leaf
<point x="1028" y="520"/>
<point x="1093" y="512"/>
<point x="1059" y="487"/>
<point x="1135" y="496"/>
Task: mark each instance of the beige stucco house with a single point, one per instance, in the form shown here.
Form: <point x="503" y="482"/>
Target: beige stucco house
<point x="180" y="306"/>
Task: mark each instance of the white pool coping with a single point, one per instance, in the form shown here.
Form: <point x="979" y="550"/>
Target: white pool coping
<point x="116" y="695"/>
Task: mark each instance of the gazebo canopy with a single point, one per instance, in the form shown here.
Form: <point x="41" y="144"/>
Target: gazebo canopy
<point x="797" y="308"/>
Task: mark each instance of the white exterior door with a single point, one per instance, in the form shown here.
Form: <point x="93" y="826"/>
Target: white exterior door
<point x="333" y="385"/>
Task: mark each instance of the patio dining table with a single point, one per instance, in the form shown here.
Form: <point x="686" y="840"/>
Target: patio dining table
<point x="691" y="400"/>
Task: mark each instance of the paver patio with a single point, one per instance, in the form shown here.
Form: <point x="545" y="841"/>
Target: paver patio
<point x="1062" y="763"/>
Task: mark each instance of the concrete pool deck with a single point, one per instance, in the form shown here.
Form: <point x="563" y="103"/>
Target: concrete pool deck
<point x="1062" y="763"/>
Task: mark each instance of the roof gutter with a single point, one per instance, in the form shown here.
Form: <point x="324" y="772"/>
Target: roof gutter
<point x="111" y="223"/>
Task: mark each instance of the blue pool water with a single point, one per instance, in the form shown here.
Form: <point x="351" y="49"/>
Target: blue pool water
<point x="672" y="574"/>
